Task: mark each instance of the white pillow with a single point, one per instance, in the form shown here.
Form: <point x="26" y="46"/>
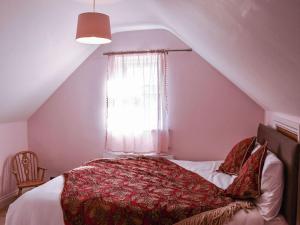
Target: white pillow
<point x="272" y="185"/>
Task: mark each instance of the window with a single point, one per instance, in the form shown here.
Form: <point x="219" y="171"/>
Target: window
<point x="137" y="103"/>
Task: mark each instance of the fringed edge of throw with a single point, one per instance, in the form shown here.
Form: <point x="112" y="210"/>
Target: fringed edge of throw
<point x="217" y="216"/>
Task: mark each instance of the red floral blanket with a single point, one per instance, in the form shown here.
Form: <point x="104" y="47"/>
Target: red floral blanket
<point x="136" y="191"/>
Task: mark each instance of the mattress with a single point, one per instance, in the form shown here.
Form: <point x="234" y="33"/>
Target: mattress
<point x="42" y="204"/>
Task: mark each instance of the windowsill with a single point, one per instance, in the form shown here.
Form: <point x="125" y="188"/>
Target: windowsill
<point x="116" y="155"/>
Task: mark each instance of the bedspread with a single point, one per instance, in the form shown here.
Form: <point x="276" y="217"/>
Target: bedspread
<point x="136" y="191"/>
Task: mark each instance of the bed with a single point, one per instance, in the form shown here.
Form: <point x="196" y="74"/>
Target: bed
<point x="42" y="205"/>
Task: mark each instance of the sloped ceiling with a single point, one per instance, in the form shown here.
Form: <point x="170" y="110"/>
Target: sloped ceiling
<point x="254" y="43"/>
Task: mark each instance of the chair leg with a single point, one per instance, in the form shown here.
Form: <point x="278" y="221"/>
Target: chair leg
<point x="20" y="192"/>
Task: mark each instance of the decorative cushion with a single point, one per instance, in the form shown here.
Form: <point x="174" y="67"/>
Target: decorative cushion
<point x="237" y="156"/>
<point x="248" y="183"/>
<point x="256" y="147"/>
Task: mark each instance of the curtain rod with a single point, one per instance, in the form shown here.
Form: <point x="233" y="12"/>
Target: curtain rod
<point x="148" y="51"/>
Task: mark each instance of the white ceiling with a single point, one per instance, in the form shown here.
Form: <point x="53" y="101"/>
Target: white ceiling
<point x="254" y="43"/>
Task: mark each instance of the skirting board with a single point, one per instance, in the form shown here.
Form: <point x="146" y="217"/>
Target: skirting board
<point x="7" y="199"/>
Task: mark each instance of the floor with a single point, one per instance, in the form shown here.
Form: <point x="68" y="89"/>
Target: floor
<point x="2" y="216"/>
<point x="3" y="211"/>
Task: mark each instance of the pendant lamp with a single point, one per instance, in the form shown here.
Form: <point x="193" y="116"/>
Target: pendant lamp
<point x="93" y="28"/>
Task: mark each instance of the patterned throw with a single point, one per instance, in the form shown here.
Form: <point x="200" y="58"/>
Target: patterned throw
<point x="219" y="216"/>
<point x="136" y="191"/>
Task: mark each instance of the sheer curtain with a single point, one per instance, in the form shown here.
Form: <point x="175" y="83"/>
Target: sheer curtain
<point x="137" y="104"/>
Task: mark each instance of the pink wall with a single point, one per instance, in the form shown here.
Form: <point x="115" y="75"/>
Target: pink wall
<point x="13" y="138"/>
<point x="208" y="114"/>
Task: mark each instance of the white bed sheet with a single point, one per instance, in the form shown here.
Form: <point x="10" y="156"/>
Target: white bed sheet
<point x="41" y="206"/>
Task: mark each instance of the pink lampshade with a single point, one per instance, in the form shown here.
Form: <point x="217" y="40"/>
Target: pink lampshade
<point x="93" y="28"/>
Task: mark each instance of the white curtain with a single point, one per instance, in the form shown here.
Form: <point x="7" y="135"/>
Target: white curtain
<point x="137" y="104"/>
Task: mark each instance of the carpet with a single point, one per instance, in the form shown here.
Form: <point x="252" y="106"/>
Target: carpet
<point x="2" y="216"/>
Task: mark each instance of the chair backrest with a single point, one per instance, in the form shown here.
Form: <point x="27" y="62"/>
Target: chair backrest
<point x="25" y="166"/>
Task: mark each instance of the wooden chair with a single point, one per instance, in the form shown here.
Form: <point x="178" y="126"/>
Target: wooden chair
<point x="25" y="167"/>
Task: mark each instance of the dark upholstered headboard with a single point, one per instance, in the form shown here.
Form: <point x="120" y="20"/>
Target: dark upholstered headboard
<point x="287" y="151"/>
